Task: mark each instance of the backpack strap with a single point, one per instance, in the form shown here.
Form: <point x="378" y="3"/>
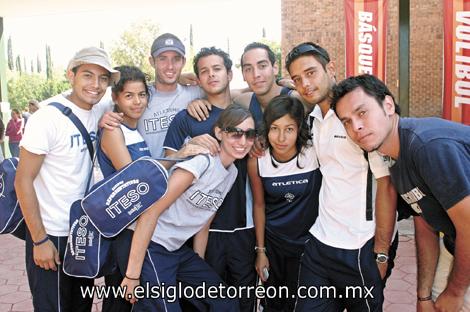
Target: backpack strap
<point x="68" y="112"/>
<point x="369" y="190"/>
<point x="184" y="159"/>
<point x="73" y="118"/>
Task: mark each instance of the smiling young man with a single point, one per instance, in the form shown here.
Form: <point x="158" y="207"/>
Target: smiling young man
<point x="351" y="238"/>
<point x="230" y="247"/>
<point x="52" y="173"/>
<point x="431" y="171"/>
<point x="167" y="96"/>
<point x="259" y="70"/>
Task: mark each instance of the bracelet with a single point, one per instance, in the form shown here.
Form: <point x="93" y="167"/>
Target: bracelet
<point x="425" y="298"/>
<point x="42" y="241"/>
<point x="130" y="278"/>
<point x="260" y="249"/>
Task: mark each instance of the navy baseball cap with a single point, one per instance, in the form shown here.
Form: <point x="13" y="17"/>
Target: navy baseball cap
<point x="167" y="42"/>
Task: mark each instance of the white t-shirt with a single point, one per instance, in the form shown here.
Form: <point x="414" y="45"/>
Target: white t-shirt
<point x="341" y="221"/>
<point x="193" y="209"/>
<point x="64" y="172"/>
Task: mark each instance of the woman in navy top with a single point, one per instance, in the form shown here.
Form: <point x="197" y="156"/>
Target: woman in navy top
<point x="285" y="184"/>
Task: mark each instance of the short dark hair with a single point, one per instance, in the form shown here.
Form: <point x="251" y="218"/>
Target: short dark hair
<point x="370" y="84"/>
<point x="212" y="51"/>
<point x="259" y="45"/>
<point x="280" y="106"/>
<point x="129" y="73"/>
<point x="308" y="48"/>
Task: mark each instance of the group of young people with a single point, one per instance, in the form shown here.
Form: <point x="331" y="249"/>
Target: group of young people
<point x="313" y="205"/>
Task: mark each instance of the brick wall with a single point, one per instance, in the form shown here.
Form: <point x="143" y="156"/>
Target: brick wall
<point x="426" y="57"/>
<point x="323" y="22"/>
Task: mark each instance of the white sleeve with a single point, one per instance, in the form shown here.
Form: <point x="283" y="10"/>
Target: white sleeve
<point x="40" y="132"/>
<point x="378" y="165"/>
<point x="196" y="165"/>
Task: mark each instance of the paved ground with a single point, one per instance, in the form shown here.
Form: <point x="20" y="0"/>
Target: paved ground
<point x="400" y="294"/>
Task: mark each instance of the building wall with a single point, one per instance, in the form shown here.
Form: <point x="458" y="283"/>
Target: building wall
<point x="426" y="57"/>
<point x="323" y="22"/>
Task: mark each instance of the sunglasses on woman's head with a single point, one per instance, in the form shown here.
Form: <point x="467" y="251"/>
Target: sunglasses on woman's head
<point x="237" y="133"/>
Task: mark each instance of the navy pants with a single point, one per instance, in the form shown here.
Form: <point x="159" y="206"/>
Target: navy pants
<point x="120" y="248"/>
<point x="54" y="290"/>
<point x="284" y="263"/>
<point x="232" y="256"/>
<point x="163" y="267"/>
<point x="352" y="274"/>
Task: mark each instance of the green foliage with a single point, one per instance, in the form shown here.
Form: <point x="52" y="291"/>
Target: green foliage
<point x="276" y="47"/>
<point x="23" y="88"/>
<point x="133" y="46"/>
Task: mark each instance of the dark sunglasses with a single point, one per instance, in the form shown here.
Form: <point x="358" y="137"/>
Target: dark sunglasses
<point x="302" y="49"/>
<point x="237" y="133"/>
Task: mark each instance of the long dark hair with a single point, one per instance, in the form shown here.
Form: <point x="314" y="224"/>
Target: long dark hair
<point x="128" y="73"/>
<point x="283" y="105"/>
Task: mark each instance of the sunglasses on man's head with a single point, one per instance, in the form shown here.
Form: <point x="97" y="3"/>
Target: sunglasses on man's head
<point x="237" y="133"/>
<point x="302" y="49"/>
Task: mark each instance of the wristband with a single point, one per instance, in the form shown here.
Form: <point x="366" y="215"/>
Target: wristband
<point x="132" y="279"/>
<point x="42" y="241"/>
<point x="260" y="249"/>
<point x="425" y="298"/>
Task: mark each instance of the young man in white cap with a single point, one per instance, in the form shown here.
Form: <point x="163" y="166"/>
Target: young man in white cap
<point x="52" y="174"/>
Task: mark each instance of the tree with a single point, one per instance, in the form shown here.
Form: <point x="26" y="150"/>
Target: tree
<point x="276" y="48"/>
<point x="18" y="64"/>
<point x="133" y="46"/>
<point x="188" y="67"/>
<point x="38" y="65"/>
<point x="101" y="44"/>
<point x="191" y="36"/>
<point x="25" y="87"/>
<point x="48" y="62"/>
<point x="32" y="66"/>
<point x="11" y="66"/>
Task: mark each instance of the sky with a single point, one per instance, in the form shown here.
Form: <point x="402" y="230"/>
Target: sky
<point x="66" y="26"/>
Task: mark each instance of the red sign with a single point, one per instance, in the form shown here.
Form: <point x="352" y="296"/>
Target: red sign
<point x="456" y="94"/>
<point x="366" y="31"/>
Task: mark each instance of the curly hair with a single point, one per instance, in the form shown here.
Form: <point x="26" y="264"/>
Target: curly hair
<point x="212" y="51"/>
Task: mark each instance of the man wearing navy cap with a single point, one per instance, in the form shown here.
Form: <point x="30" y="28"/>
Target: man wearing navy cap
<point x="167" y="97"/>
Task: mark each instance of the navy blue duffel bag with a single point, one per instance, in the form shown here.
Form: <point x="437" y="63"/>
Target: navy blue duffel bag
<point x="114" y="203"/>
